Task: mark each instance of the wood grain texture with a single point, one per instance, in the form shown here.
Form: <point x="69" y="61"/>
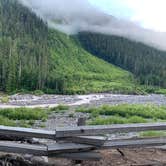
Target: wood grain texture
<point x="89" y="140"/>
<point x="26" y="132"/>
<point x="9" y="147"/>
<point x="107" y="129"/>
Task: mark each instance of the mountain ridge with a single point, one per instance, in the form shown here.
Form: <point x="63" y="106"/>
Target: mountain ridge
<point x="145" y="62"/>
<point x="34" y="56"/>
<point x="92" y="19"/>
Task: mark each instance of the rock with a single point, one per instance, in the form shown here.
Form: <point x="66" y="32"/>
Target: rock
<point x="43" y="159"/>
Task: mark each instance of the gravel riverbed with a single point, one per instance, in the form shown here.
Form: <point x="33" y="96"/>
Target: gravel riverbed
<point x="91" y="100"/>
<point x="76" y="100"/>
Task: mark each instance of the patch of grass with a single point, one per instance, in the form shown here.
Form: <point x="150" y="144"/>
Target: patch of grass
<point x="117" y="120"/>
<point x="31" y="122"/>
<point x="23" y="123"/>
<point x="5" y="99"/>
<point x="24" y="113"/>
<point x="123" y="114"/>
<point x="59" y="109"/>
<point x="25" y="117"/>
<point x="42" y="125"/>
<point x="7" y="122"/>
<point x="153" y="134"/>
<point x="38" y="92"/>
<point x="22" y="117"/>
<point x="161" y="91"/>
<point x="63" y="107"/>
<point x="126" y="110"/>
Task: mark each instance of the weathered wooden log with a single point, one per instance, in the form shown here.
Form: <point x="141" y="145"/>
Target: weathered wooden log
<point x="89" y="140"/>
<point x="107" y="129"/>
<point x="26" y="132"/>
<point x="114" y="144"/>
<point x="37" y="150"/>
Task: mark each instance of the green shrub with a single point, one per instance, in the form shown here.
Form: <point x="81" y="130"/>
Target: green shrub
<point x="59" y="109"/>
<point x="38" y="92"/>
<point x="125" y="113"/>
<point x="22" y="117"/>
<point x="5" y="99"/>
<point x="117" y="120"/>
<point x="24" y="113"/>
<point x="107" y="121"/>
<point x="126" y="110"/>
<point x="161" y="91"/>
<point x="137" y="119"/>
<point x="7" y="122"/>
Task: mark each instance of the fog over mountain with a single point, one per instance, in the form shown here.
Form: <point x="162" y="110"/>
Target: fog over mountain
<point x="73" y="16"/>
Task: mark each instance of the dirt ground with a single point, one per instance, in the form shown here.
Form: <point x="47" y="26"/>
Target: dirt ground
<point x="132" y="157"/>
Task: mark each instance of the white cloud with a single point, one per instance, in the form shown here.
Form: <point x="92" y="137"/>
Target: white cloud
<point x="73" y="16"/>
<point x="150" y="13"/>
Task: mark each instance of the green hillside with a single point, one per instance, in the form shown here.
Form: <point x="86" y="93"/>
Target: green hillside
<point x="32" y="57"/>
<point x="146" y="63"/>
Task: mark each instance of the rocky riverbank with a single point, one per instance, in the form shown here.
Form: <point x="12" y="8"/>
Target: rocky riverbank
<point x="76" y="100"/>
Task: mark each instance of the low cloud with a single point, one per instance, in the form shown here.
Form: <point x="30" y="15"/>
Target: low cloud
<point x="73" y="16"/>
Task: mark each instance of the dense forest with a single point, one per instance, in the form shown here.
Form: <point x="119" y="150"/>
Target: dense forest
<point x="34" y="57"/>
<point x="146" y="63"/>
<point x="24" y="54"/>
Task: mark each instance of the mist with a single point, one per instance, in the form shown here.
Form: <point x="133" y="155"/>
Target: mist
<point x="73" y="16"/>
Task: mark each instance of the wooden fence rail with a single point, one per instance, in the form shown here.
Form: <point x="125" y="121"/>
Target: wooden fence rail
<point x="107" y="129"/>
<point x="26" y="132"/>
<point x="80" y="130"/>
<point x="63" y="148"/>
<point x="79" y="141"/>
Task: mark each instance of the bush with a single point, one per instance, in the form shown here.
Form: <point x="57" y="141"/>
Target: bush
<point x="161" y="91"/>
<point x="38" y="92"/>
<point x="24" y="113"/>
<point x="59" y="109"/>
<point x="125" y="113"/>
<point x="7" y="122"/>
<point x="5" y="99"/>
<point x="125" y="110"/>
<point x="137" y="119"/>
<point x="117" y="120"/>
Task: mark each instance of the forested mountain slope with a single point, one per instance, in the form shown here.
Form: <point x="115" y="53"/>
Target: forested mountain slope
<point x="146" y="63"/>
<point x="32" y="56"/>
<point x="24" y="54"/>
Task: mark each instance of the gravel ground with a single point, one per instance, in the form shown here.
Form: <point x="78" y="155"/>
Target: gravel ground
<point x="132" y="157"/>
<point x="75" y="100"/>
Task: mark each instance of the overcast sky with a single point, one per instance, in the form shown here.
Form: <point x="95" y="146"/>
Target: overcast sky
<point x="140" y="20"/>
<point x="147" y="13"/>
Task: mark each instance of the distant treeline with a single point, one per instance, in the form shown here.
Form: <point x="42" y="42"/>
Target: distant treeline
<point x="146" y="63"/>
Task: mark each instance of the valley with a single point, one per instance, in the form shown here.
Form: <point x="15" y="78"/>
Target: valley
<point x="56" y="68"/>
